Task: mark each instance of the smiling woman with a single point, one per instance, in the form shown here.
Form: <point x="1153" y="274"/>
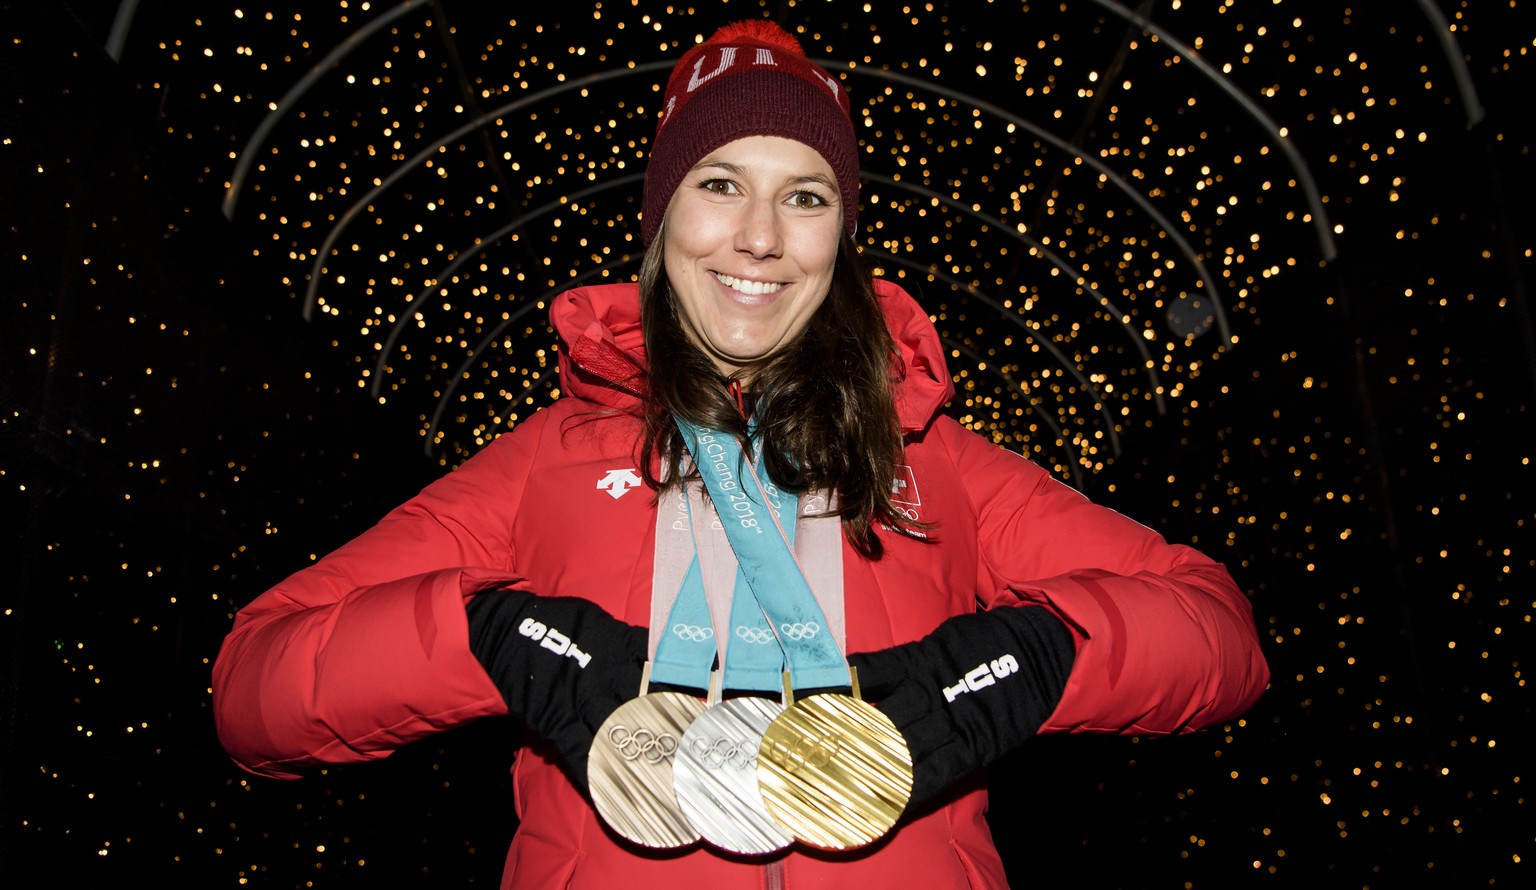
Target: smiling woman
<point x="750" y="240"/>
<point x="753" y="286"/>
<point x="843" y="529"/>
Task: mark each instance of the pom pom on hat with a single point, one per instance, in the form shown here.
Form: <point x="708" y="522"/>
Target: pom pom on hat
<point x="750" y="78"/>
<point x="760" y="31"/>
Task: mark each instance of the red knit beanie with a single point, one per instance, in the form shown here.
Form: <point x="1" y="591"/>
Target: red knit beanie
<point x="749" y="79"/>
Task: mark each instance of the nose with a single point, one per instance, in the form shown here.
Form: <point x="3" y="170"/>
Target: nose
<point x="760" y="235"/>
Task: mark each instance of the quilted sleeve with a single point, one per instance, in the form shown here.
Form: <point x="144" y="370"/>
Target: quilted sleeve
<point x="367" y="649"/>
<point x="1165" y="640"/>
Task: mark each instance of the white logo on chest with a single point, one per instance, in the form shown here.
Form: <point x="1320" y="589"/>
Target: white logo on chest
<point x="618" y="482"/>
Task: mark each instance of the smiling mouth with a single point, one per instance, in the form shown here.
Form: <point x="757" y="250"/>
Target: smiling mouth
<point x="751" y="288"/>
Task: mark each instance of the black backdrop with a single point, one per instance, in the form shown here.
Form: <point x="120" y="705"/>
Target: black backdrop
<point x="176" y="437"/>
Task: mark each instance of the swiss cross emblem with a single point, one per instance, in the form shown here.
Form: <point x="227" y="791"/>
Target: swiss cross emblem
<point x="904" y="487"/>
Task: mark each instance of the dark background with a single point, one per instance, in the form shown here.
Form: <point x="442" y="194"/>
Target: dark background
<point x="1331" y="395"/>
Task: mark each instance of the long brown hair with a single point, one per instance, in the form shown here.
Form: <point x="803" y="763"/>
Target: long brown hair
<point x="828" y="414"/>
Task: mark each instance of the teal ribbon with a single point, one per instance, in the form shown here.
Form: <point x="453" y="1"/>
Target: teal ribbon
<point x="765" y="554"/>
<point x="687" y="650"/>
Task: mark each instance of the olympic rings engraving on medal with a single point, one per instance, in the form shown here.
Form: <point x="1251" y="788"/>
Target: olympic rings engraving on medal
<point x="724" y="752"/>
<point x="805" y="751"/>
<point x="801" y="630"/>
<point x="693" y="632"/>
<point x="754" y="634"/>
<point x="642" y="744"/>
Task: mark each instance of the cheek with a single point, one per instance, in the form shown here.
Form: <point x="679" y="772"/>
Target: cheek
<point x="687" y="258"/>
<point x="683" y="232"/>
<point x="685" y="245"/>
<point x="671" y="264"/>
<point x="818" y="255"/>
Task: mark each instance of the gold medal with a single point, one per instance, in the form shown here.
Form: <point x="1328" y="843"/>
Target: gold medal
<point x="834" y="771"/>
<point x="629" y="769"/>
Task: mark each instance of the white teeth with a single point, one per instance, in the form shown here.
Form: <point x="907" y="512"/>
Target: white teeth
<point x="754" y="288"/>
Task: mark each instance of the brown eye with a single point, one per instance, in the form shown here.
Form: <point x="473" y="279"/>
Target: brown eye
<point x="718" y="186"/>
<point x="806" y="200"/>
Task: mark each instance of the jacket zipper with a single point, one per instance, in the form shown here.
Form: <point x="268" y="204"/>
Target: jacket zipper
<point x="773" y="875"/>
<point x="735" y="390"/>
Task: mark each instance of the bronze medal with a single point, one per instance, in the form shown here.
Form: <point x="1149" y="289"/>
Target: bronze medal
<point x="629" y="769"/>
<point x="835" y="772"/>
<point x="715" y="776"/>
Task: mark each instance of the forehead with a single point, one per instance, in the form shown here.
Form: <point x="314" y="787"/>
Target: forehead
<point x="769" y="156"/>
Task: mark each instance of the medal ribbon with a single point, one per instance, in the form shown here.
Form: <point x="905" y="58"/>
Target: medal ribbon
<point x="695" y="631"/>
<point x="766" y="559"/>
<point x="686" y="648"/>
<point x="750" y="649"/>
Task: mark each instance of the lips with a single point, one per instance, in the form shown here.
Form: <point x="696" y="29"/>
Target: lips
<point x="747" y="286"/>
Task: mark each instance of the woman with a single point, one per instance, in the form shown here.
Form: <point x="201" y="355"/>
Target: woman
<point x="983" y="601"/>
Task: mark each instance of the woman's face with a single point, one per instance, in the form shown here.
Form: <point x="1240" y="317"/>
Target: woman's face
<point x="749" y="244"/>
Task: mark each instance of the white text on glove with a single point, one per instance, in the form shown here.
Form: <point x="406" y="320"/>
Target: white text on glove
<point x="982" y="676"/>
<point x="554" y="640"/>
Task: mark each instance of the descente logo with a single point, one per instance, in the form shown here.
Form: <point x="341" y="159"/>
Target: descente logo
<point x="618" y="482"/>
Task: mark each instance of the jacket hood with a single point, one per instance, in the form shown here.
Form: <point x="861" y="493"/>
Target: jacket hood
<point x="603" y="359"/>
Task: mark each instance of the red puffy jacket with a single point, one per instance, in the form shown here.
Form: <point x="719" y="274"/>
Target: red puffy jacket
<point x="367" y="649"/>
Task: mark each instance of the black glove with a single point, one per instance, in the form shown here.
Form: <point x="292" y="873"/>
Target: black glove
<point x="562" y="664"/>
<point x="971" y="691"/>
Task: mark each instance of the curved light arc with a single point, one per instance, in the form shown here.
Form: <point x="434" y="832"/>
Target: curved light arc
<point x="1458" y="62"/>
<point x="490" y="337"/>
<point x="473" y="250"/>
<point x="426" y="153"/>
<point x="122" y="23"/>
<point x="1072" y="460"/>
<point x="1075" y="277"/>
<point x="1320" y="224"/>
<point x="1162" y="222"/>
<point x="1030" y="333"/>
<point x="247" y="155"/>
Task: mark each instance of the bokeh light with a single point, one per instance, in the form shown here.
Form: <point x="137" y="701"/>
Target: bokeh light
<point x="1252" y="271"/>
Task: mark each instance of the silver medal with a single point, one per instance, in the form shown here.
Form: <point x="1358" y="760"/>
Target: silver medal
<point x="715" y="777"/>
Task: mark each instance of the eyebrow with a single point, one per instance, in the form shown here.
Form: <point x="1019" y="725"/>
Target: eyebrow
<point x="827" y="181"/>
<point x="738" y="170"/>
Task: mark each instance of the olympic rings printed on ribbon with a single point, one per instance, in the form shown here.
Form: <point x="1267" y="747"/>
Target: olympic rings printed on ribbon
<point x="800" y="630"/>
<point x="805" y="751"/>
<point x="754" y="634"/>
<point x="724" y="752"/>
<point x="693" y="632"/>
<point x="642" y="744"/>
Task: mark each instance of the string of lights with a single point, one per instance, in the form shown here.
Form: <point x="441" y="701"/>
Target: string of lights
<point x="1252" y="271"/>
